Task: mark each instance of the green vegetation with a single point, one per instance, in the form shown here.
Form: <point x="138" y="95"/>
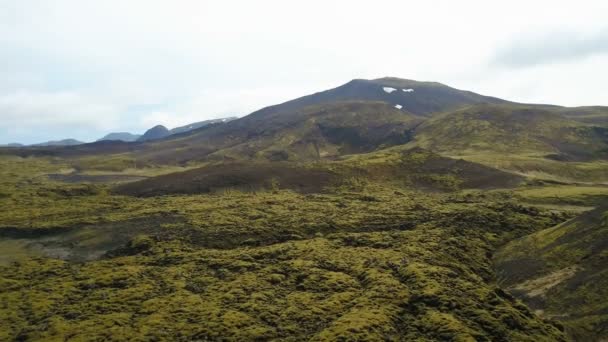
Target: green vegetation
<point x="539" y="167"/>
<point x="583" y="195"/>
<point x="562" y="273"/>
<point x="514" y="129"/>
<point x="592" y="115"/>
<point x="337" y="216"/>
<point x="361" y="261"/>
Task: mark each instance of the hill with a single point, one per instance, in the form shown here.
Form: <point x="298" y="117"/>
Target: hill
<point x="199" y="124"/>
<point x="596" y="115"/>
<point x="64" y="142"/>
<point x="154" y="133"/>
<point x="419" y="98"/>
<point x="310" y="133"/>
<point x="407" y="169"/>
<point x="120" y="136"/>
<point x="562" y="272"/>
<point x="513" y="129"/>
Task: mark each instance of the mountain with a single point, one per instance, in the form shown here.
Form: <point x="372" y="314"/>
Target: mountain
<point x="419" y="98"/>
<point x="121" y="136"/>
<point x="64" y="142"/>
<point x="158" y="132"/>
<point x="359" y="116"/>
<point x="197" y="125"/>
<point x="366" y="115"/>
<point x="562" y="272"/>
<point x="13" y="145"/>
<point x="380" y="210"/>
<point x="154" y="133"/>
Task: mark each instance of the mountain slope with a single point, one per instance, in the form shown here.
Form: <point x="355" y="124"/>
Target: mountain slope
<point x="563" y="273"/>
<point x="420" y="98"/>
<point x="596" y="115"/>
<point x="516" y="129"/>
<point x="199" y="124"/>
<point x="310" y="133"/>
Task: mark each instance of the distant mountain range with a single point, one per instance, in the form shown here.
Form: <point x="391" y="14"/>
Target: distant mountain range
<point x="63" y="142"/>
<point x="121" y="136"/>
<point x="156" y="132"/>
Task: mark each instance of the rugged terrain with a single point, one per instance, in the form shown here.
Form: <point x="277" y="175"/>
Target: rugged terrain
<point x="383" y="209"/>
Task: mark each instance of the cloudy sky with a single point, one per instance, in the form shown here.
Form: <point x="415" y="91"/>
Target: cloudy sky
<point x="80" y="69"/>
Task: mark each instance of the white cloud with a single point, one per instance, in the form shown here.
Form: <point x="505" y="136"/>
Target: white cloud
<point x="57" y="109"/>
<point x="552" y="47"/>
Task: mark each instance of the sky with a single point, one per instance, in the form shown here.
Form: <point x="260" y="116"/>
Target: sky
<point x="81" y="69"/>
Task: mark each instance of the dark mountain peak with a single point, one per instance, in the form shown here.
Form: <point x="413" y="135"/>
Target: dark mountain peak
<point x="402" y="82"/>
<point x="419" y="98"/>
<point x="156" y="132"/>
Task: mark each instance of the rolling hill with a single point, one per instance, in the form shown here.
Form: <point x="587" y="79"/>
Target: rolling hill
<point x="514" y="129"/>
<point x="64" y="142"/>
<point x="405" y="169"/>
<point x="596" y="115"/>
<point x="120" y="136"/>
<point x="562" y="272"/>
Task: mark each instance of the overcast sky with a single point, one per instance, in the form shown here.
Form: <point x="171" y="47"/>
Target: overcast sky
<point x="80" y="69"/>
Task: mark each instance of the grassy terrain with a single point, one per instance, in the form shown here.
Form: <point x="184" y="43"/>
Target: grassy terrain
<point x="539" y="167"/>
<point x="561" y="272"/>
<point x="360" y="262"/>
<point x="583" y="195"/>
<point x="513" y="130"/>
<point x="595" y="115"/>
<point x="399" y="168"/>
